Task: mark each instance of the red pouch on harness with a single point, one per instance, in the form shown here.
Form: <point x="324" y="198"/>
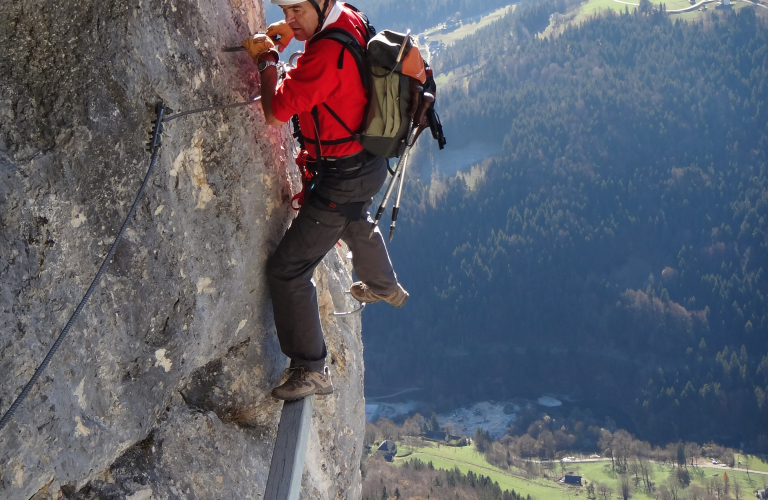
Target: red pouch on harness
<point x="306" y="181"/>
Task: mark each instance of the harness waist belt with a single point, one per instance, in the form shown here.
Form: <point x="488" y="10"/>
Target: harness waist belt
<point x="352" y="211"/>
<point x="346" y="164"/>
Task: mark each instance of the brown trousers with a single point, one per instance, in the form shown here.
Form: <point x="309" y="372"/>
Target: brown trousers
<point x="312" y="234"/>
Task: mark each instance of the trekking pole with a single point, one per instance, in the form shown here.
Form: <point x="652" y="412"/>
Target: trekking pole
<point x="396" y="208"/>
<point x="426" y="101"/>
<point x="384" y="202"/>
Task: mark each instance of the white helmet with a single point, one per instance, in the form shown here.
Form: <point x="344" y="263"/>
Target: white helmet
<point x="320" y="13"/>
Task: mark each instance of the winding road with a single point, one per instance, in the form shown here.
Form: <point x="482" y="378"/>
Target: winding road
<point x="755" y="3"/>
<point x="374" y="400"/>
<point x="692" y="7"/>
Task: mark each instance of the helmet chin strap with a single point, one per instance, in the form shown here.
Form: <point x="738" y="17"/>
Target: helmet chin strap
<point x="320" y="13"/>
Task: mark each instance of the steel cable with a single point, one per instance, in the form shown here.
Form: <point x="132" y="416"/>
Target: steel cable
<point x="155" y="148"/>
<point x="211" y="108"/>
<point x="65" y="331"/>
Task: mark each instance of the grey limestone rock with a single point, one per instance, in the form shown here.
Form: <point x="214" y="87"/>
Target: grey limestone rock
<point x="161" y="389"/>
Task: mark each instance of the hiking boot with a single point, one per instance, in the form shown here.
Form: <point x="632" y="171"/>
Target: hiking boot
<point x="361" y="292"/>
<point x="302" y="383"/>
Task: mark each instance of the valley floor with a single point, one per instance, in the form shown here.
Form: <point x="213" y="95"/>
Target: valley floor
<point x="598" y="471"/>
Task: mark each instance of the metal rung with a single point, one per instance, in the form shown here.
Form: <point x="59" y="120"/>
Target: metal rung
<point x="284" y="482"/>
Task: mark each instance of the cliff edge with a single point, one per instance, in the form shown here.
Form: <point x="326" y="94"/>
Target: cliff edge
<point x="161" y="389"/>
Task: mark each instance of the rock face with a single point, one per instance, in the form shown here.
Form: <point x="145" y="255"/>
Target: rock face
<point x="161" y="389"/>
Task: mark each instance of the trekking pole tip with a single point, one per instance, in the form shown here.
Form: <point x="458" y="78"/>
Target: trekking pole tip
<point x="374" y="225"/>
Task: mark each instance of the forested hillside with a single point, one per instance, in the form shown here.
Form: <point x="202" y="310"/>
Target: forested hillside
<point x="502" y="36"/>
<point x="421" y="14"/>
<point x="416" y="15"/>
<point x="617" y="251"/>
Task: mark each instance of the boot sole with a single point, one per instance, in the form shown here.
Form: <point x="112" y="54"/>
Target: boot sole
<point x="399" y="305"/>
<point x="366" y="300"/>
<point x="320" y="392"/>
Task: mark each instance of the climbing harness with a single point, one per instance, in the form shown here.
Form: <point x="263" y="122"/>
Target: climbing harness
<point x="153" y="146"/>
<point x="309" y="176"/>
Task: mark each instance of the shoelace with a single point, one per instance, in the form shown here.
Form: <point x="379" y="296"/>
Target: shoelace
<point x="298" y="380"/>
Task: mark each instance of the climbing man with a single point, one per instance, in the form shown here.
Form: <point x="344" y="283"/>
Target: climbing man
<point x="325" y="90"/>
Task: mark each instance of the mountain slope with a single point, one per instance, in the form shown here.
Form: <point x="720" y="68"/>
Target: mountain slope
<point x="615" y="251"/>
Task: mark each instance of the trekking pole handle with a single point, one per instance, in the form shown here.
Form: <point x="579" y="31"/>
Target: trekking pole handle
<point x="419" y="130"/>
<point x="426" y="101"/>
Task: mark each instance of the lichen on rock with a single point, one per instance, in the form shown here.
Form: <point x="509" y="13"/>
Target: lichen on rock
<point x="161" y="389"/>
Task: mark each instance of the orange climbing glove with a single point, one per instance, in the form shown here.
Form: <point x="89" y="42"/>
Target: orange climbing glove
<point x="258" y="45"/>
<point x="281" y="33"/>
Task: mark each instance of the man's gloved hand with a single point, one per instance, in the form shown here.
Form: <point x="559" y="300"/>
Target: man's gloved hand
<point x="258" y="45"/>
<point x="281" y="33"/>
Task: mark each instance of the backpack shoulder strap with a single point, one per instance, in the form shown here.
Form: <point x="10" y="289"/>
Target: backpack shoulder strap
<point x="350" y="43"/>
<point x="368" y="26"/>
<point x="339" y="34"/>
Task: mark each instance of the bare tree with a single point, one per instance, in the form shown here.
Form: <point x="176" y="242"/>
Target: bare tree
<point x="370" y="434"/>
<point x="670" y="453"/>
<point x="602" y="491"/>
<point x="658" y="455"/>
<point x="387" y="429"/>
<point x="591" y="495"/>
<point x="625" y="487"/>
<point x="747" y="463"/>
<point x="728" y="457"/>
<point x="663" y="493"/>
<point x="527" y="446"/>
<point x="496" y="454"/>
<point x="717" y="486"/>
<point x="564" y="440"/>
<point x="412" y="425"/>
<point x="673" y="487"/>
<point x="692" y="452"/>
<point x="696" y="492"/>
<point x="621" y="447"/>
<point x="634" y="468"/>
<point x="646" y="471"/>
<point x="606" y="445"/>
<point x="546" y="444"/>
<point x="737" y="490"/>
<point x="714" y="450"/>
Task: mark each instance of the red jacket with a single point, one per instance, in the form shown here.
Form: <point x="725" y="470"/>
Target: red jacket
<point x="317" y="79"/>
